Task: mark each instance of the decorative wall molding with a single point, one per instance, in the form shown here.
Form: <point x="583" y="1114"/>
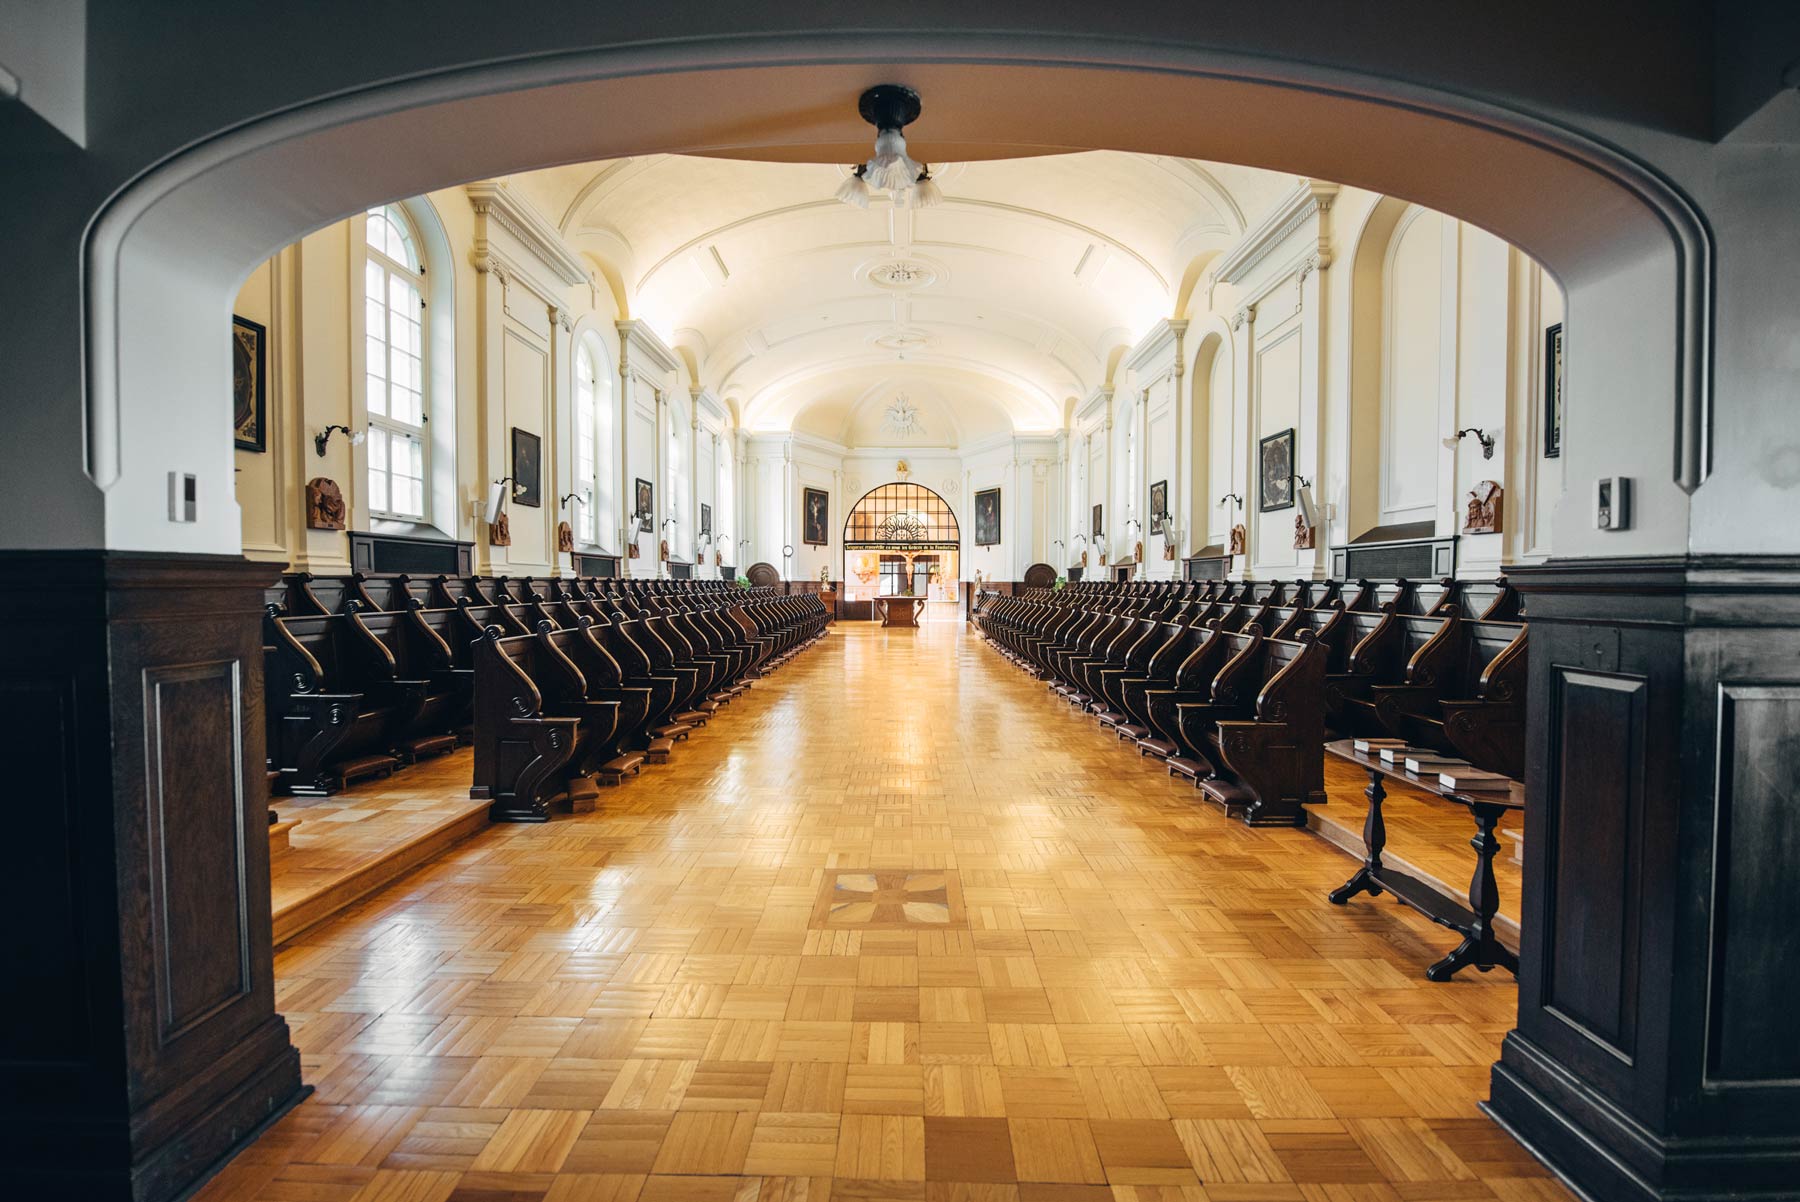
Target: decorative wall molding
<point x="1164" y="338"/>
<point x="495" y="203"/>
<point x="640" y="349"/>
<point x="1312" y="198"/>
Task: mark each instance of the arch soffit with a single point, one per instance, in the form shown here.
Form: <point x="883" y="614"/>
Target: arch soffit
<point x="164" y="210"/>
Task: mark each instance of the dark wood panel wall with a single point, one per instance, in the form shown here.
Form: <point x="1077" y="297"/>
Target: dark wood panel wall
<point x="138" y="1036"/>
<point x="1656" y="1053"/>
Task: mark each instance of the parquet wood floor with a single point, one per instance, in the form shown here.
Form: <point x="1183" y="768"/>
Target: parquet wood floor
<point x="1145" y="999"/>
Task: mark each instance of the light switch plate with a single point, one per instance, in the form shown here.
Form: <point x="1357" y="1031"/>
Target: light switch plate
<point x="184" y="493"/>
<point x="1612" y="503"/>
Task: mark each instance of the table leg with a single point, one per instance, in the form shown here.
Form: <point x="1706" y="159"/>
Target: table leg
<point x="1479" y="947"/>
<point x="1367" y="878"/>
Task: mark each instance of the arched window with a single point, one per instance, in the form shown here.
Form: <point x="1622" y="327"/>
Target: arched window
<point x="593" y="443"/>
<point x="394" y="374"/>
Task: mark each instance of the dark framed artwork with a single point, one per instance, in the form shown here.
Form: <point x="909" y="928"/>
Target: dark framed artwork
<point x="1159" y="504"/>
<point x="987" y="517"/>
<point x="1553" y="391"/>
<point x="705" y="519"/>
<point x="645" y="498"/>
<point x="527" y="468"/>
<point x="1275" y="471"/>
<point x="815" y="514"/>
<point x="249" y="385"/>
<point x="1098" y="528"/>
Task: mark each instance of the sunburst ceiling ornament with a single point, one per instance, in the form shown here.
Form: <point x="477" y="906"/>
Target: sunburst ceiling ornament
<point x="890" y="108"/>
<point x="901" y="419"/>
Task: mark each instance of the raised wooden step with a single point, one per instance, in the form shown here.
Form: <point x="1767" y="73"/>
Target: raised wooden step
<point x="278" y="835"/>
<point x="310" y="886"/>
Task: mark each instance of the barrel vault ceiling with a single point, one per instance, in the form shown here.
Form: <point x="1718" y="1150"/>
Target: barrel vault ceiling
<point x="990" y="313"/>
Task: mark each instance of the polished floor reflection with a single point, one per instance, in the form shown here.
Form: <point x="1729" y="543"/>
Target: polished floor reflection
<point x="1129" y="997"/>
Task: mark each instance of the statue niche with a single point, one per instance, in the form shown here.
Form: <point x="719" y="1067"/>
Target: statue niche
<point x="324" y="504"/>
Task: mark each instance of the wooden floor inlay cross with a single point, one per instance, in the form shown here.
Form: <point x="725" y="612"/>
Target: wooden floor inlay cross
<point x="890" y="901"/>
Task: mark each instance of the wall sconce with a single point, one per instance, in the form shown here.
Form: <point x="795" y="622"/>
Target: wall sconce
<point x="787" y="553"/>
<point x="1487" y="440"/>
<point x="1233" y="498"/>
<point x="497" y="495"/>
<point x="323" y="438"/>
<point x="572" y="496"/>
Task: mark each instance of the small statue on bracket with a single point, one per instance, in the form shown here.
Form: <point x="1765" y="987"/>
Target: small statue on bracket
<point x="663" y="551"/>
<point x="1239" y="539"/>
<point x="324" y="504"/>
<point x="1483" y="515"/>
<point x="500" y="531"/>
<point x="1304" y="538"/>
<point x="565" y="537"/>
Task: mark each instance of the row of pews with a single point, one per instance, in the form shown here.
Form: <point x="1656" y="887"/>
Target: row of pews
<point x="1238" y="685"/>
<point x="1244" y="687"/>
<point x="561" y="685"/>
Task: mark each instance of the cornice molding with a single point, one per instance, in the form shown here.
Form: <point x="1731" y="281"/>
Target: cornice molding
<point x="495" y="204"/>
<point x="1164" y="336"/>
<point x="637" y="340"/>
<point x="1310" y="199"/>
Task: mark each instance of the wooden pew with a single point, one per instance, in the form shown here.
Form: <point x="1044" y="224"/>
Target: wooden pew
<point x="1271" y="765"/>
<point x="1463" y="694"/>
<point x="337" y="703"/>
<point x="522" y="752"/>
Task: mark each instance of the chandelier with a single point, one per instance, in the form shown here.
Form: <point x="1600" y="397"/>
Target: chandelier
<point x="890" y="108"/>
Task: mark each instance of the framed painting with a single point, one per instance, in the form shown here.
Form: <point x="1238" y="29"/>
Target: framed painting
<point x="987" y="517"/>
<point x="645" y="496"/>
<point x="1275" y="471"/>
<point x="815" y="512"/>
<point x="249" y="385"/>
<point x="705" y="520"/>
<point x="1098" y="529"/>
<point x="1553" y="391"/>
<point x="1159" y="505"/>
<point x="527" y="468"/>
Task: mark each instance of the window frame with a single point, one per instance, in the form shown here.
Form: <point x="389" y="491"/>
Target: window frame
<point x="384" y="423"/>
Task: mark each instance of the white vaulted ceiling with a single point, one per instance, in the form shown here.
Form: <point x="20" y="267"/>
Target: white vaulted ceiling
<point x="990" y="312"/>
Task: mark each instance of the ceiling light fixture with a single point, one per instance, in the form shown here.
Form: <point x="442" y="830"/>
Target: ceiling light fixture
<point x="890" y="108"/>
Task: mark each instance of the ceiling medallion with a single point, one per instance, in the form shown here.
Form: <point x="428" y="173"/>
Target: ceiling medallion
<point x="903" y="275"/>
<point x="904" y="340"/>
<point x="901" y="418"/>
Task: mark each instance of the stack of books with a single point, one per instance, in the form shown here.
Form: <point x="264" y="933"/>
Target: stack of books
<point x="1371" y="746"/>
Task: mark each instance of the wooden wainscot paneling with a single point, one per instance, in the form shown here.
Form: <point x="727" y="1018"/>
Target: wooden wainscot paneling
<point x="1756" y="894"/>
<point x="1656" y="1054"/>
<point x="1594" y="809"/>
<point x="141" y="1043"/>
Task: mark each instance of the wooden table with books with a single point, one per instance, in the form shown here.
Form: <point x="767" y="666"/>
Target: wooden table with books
<point x="1485" y="795"/>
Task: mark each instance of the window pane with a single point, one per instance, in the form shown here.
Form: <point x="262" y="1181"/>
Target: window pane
<point x="378" y="450"/>
<point x="411" y="496"/>
<point x="415" y="457"/>
<point x="378" y="491"/>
